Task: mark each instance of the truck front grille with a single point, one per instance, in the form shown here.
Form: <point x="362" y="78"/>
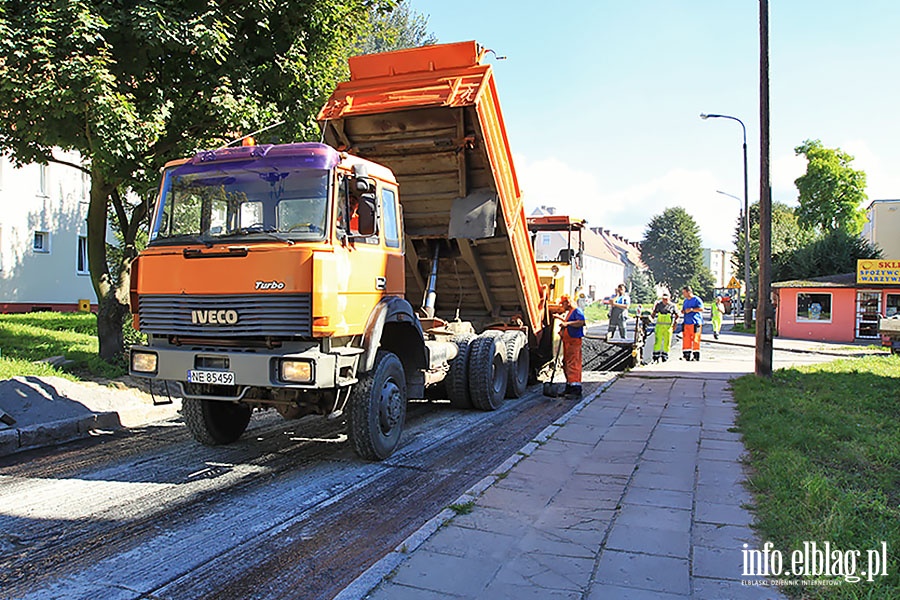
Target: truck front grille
<point x="248" y="315"/>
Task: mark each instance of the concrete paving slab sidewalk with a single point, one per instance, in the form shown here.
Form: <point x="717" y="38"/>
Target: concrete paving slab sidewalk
<point x="44" y="411"/>
<point x="636" y="493"/>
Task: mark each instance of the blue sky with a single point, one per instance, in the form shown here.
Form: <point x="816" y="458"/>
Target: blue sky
<point x="602" y="99"/>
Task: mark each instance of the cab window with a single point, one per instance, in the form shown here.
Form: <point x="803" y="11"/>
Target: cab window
<point x="390" y="215"/>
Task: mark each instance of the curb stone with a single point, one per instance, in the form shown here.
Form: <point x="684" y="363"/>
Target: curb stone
<point x="41" y="435"/>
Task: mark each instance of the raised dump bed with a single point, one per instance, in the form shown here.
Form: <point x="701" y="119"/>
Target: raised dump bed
<point x="432" y="116"/>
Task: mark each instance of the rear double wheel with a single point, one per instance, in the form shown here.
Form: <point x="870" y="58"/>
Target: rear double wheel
<point x="377" y="408"/>
<point x="457" y="380"/>
<point x="518" y="363"/>
<point x="488" y="374"/>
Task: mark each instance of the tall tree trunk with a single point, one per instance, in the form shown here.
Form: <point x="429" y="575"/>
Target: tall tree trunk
<point x="112" y="302"/>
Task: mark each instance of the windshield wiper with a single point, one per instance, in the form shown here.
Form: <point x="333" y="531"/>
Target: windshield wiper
<point x="271" y="233"/>
<point x="184" y="237"/>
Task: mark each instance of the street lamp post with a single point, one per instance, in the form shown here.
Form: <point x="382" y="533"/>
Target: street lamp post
<point x="746" y="237"/>
<point x="748" y="314"/>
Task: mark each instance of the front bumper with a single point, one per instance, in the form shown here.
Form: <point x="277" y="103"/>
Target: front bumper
<point x="259" y="368"/>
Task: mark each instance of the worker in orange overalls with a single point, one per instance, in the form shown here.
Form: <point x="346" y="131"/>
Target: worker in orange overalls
<point x="692" y="309"/>
<point x="571" y="330"/>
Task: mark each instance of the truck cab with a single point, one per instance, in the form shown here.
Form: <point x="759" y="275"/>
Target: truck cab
<point x="265" y="266"/>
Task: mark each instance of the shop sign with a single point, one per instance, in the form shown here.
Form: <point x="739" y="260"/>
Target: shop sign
<point x="878" y="271"/>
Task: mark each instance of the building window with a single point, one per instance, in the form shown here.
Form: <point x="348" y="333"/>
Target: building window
<point x="42" y="180"/>
<point x="892" y="306"/>
<point x="41" y="242"/>
<point x="81" y="258"/>
<point x="814" y="308"/>
<point x="545" y="239"/>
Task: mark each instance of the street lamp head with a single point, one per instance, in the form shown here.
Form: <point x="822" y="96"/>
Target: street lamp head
<point x="704" y="116"/>
<point x="727" y="194"/>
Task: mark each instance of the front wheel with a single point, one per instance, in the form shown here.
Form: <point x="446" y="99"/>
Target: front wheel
<point x="214" y="422"/>
<point x="378" y="408"/>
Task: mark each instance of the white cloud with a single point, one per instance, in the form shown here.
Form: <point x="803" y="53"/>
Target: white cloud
<point x="580" y="193"/>
<point x="881" y="182"/>
<point x="786" y="168"/>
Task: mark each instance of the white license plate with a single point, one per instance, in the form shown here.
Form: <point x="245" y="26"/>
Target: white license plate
<point x="217" y="377"/>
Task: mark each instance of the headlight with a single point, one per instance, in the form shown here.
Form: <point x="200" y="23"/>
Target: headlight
<point x="299" y="371"/>
<point x="143" y="362"/>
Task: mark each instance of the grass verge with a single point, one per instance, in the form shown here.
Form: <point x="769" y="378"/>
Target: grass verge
<point x="463" y="508"/>
<point x="824" y="443"/>
<point x="26" y="338"/>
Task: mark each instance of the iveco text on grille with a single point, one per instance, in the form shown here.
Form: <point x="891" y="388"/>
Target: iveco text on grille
<point x="214" y="317"/>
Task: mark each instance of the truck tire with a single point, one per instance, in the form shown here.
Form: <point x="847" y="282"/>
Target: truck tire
<point x="518" y="363"/>
<point x="378" y="408"/>
<point x="488" y="373"/>
<point x="457" y="381"/>
<point x="213" y="422"/>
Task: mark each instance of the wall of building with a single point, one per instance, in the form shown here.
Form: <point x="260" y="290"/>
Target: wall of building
<point x="719" y="264"/>
<point x="601" y="277"/>
<point x="42" y="261"/>
<point x="883" y="228"/>
<point x="841" y="327"/>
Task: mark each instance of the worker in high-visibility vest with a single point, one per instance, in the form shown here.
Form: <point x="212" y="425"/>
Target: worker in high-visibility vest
<point x="665" y="313"/>
<point x="716" y="310"/>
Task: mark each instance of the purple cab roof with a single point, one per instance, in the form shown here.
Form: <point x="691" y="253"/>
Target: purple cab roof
<point x="301" y="155"/>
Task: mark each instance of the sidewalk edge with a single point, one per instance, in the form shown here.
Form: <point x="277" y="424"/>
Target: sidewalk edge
<point x="20" y="439"/>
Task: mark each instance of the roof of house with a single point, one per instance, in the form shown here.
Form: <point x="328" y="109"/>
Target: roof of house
<point x="627" y="251"/>
<point x="881" y="201"/>
<point x="597" y="247"/>
<point x="843" y="280"/>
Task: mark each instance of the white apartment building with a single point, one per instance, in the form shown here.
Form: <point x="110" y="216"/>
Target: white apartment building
<point x="719" y="264"/>
<point x="883" y="227"/>
<point x="43" y="237"/>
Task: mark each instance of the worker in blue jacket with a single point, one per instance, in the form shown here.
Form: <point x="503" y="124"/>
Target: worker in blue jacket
<point x="692" y="309"/>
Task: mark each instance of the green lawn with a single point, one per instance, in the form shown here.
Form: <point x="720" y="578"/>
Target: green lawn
<point x="824" y="445"/>
<point x="25" y="338"/>
<point x="596" y="312"/>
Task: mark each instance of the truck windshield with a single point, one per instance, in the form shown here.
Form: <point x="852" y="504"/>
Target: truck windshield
<point x="273" y="200"/>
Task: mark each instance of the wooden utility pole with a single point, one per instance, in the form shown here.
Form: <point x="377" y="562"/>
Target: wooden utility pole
<point x="765" y="313"/>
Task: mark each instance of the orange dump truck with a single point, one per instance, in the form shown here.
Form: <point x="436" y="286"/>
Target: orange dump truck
<point x="341" y="279"/>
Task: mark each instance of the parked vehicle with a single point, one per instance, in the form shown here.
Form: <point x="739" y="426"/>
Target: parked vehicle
<point x="343" y="278"/>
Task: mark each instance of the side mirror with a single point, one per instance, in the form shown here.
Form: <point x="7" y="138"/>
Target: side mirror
<point x="361" y="182"/>
<point x="366" y="214"/>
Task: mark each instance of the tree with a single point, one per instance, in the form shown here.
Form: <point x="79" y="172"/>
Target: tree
<point x="832" y="254"/>
<point x="703" y="284"/>
<point x="671" y="248"/>
<point x="642" y="288"/>
<point x="394" y="30"/>
<point x="831" y="191"/>
<point x="787" y="236"/>
<point x="132" y="85"/>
